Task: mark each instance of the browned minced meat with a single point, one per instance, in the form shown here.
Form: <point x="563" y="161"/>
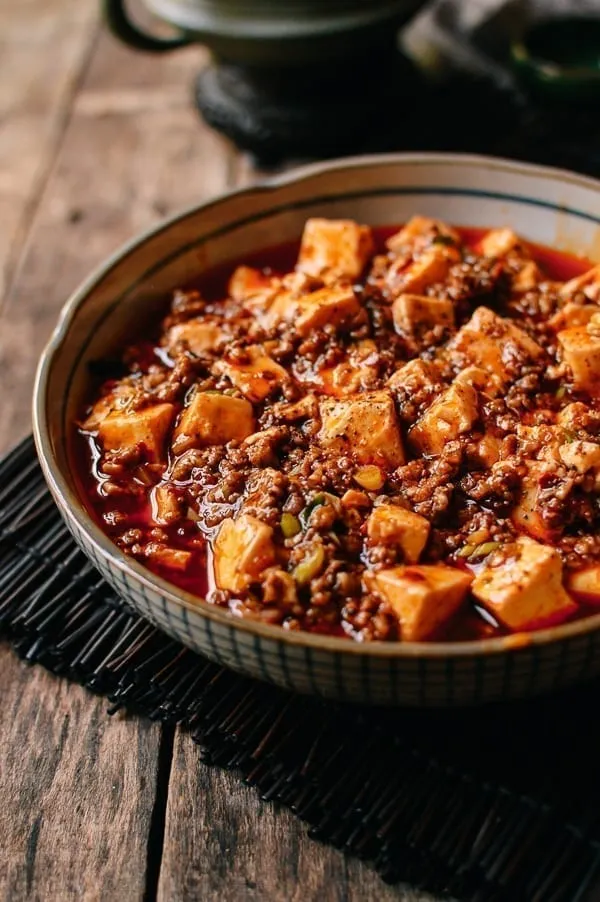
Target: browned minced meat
<point x="281" y="423"/>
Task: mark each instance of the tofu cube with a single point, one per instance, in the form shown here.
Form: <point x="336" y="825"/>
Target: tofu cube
<point x="418" y="232"/>
<point x="242" y="550"/>
<point x="258" y="378"/>
<point x="334" y="249"/>
<point x="246" y="282"/>
<point x="580" y="455"/>
<point x="527" y="277"/>
<point x="282" y="307"/>
<point x="431" y="266"/>
<point x="522" y="586"/>
<point x="493" y="343"/>
<point x="423" y="598"/>
<point x="415" y="313"/>
<point x="572" y="315"/>
<point x="198" y="335"/>
<point x="499" y="243"/>
<point x="581" y="352"/>
<point x="588" y="282"/>
<point x="481" y="380"/>
<point x="213" y="419"/>
<point x="450" y="415"/>
<point x="586" y="584"/>
<point x="487" y="451"/>
<point x="147" y="428"/>
<point x="328" y="306"/>
<point x="166" y="504"/>
<point x="526" y="515"/>
<point x="574" y="416"/>
<point x="415" y="376"/>
<point x="171" y="558"/>
<point x="364" y="425"/>
<point x="116" y="400"/>
<point x="390" y="524"/>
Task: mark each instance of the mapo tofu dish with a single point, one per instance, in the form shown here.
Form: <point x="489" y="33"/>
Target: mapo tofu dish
<point x="385" y="434"/>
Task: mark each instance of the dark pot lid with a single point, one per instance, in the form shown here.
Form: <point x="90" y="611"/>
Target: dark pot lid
<point x="278" y="19"/>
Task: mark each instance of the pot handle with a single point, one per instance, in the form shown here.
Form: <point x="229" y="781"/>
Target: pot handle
<point x="119" y="23"/>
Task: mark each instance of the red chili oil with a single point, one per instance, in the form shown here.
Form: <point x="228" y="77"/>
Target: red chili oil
<point x="473" y="622"/>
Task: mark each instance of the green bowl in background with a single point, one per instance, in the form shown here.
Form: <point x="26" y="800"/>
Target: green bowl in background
<point x="559" y="59"/>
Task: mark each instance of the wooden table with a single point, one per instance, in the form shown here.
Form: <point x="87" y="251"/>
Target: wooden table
<point x="96" y="143"/>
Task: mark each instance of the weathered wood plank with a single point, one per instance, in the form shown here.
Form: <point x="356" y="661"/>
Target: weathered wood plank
<point x="121" y="168"/>
<point x="44" y="44"/>
<point x="77" y="791"/>
<point x="222" y="844"/>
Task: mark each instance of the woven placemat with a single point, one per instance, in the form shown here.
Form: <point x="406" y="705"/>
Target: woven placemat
<point x="499" y="803"/>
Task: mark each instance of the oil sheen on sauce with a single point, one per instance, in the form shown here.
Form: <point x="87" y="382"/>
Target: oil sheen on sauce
<point x="472" y="623"/>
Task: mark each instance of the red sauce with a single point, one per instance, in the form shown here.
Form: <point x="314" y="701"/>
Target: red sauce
<point x="471" y="623"/>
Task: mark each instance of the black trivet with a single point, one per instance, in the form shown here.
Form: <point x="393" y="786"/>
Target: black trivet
<point x="499" y="803"/>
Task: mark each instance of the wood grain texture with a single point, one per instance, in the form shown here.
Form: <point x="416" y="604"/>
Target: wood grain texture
<point x="77" y="791"/>
<point x="44" y="45"/>
<point x="222" y="844"/>
<point x="121" y="167"/>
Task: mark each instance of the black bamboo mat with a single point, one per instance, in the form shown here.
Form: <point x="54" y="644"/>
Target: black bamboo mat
<point x="499" y="803"/>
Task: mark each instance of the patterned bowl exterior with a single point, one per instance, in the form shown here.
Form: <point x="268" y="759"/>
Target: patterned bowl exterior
<point x="544" y="205"/>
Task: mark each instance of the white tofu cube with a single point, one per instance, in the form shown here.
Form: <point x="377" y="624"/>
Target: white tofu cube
<point x="527" y="277"/>
<point x="415" y="376"/>
<point x="580" y="455"/>
<point x="328" y="306"/>
<point x="499" y="243"/>
<point x="581" y="352"/>
<point x="430" y="267"/>
<point x="279" y="307"/>
<point x="256" y="379"/>
<point x="390" y="524"/>
<point x="423" y="598"/>
<point x="493" y="343"/>
<point x="334" y="249"/>
<point x="242" y="550"/>
<point x="171" y="558"/>
<point x="116" y="400"/>
<point x="526" y="515"/>
<point x="585" y="584"/>
<point x="166" y="504"/>
<point x="418" y="232"/>
<point x="522" y="586"/>
<point x="212" y="418"/>
<point x="198" y="335"/>
<point x="414" y="313"/>
<point x="574" y="416"/>
<point x="450" y="415"/>
<point x="147" y="428"/>
<point x="588" y="282"/>
<point x="364" y="425"/>
<point x="572" y="315"/>
<point x="246" y="282"/>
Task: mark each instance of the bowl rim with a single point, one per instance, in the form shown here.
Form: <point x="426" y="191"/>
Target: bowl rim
<point x="71" y="505"/>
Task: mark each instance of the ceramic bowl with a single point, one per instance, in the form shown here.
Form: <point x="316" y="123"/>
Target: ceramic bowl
<point x="544" y="205"/>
